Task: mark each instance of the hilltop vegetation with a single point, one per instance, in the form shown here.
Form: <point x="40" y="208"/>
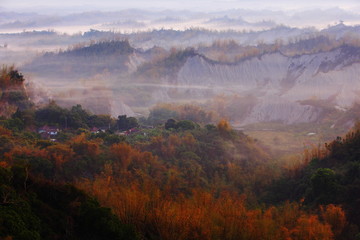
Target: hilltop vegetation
<point x="85" y="60"/>
<point x="12" y="92"/>
<point x="100" y="49"/>
<point x="166" y="66"/>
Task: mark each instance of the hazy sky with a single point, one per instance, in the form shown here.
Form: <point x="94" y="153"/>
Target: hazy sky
<point x="198" y="5"/>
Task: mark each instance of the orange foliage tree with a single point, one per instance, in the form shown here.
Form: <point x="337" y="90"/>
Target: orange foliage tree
<point x="203" y="216"/>
<point x="224" y="126"/>
<point x="335" y="217"/>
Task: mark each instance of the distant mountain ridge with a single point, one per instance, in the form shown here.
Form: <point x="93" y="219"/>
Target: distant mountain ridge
<point x="236" y="19"/>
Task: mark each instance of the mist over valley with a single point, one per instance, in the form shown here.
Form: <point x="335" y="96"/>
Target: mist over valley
<point x="180" y="120"/>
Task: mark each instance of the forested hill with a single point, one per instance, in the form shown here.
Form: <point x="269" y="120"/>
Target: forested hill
<point x="33" y="204"/>
<point x="176" y="179"/>
<point x="331" y="176"/>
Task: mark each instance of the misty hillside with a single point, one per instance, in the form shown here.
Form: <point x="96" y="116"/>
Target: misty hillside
<point x="278" y="82"/>
<point x="85" y="61"/>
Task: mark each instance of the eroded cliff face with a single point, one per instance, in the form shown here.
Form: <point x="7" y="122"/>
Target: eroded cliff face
<point x="281" y="83"/>
<point x="282" y="87"/>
